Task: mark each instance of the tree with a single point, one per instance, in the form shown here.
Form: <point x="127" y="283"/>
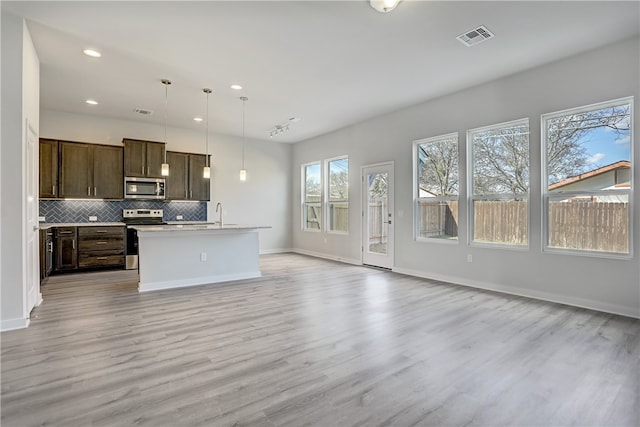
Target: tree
<point x="339" y="180"/>
<point x="438" y="166"/>
<point x="501" y="160"/>
<point x="378" y="186"/>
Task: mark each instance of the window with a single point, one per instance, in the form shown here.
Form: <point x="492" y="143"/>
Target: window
<point x="337" y="195"/>
<point x="312" y="197"/>
<point x="587" y="186"/>
<point x="499" y="182"/>
<point x="335" y="203"/>
<point x="436" y="187"/>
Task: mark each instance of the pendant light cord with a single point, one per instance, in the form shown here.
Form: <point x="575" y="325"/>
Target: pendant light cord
<point x="207" y="139"/>
<point x="166" y="84"/>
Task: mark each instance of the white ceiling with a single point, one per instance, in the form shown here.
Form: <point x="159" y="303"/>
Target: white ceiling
<point x="330" y="63"/>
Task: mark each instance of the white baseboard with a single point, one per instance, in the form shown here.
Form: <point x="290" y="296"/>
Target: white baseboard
<point x="170" y="284"/>
<point x="529" y="293"/>
<point x="13" y="324"/>
<point x="327" y="256"/>
<point x="275" y="251"/>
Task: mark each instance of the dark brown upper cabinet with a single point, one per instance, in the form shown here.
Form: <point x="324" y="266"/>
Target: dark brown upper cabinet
<point x="185" y="181"/>
<point x="48" y="168"/>
<point x="143" y="158"/>
<point x="91" y="171"/>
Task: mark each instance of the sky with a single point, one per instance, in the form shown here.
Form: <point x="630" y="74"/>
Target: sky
<point x="604" y="146"/>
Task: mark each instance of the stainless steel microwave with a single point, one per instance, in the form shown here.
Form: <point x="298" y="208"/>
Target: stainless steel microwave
<point x="143" y="188"/>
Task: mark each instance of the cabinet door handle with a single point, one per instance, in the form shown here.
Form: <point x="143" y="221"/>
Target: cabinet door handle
<point x="191" y="194"/>
<point x="66" y="232"/>
<point x="95" y="191"/>
<point x="53" y="190"/>
<point x="88" y="191"/>
<point x="147" y="170"/>
<point x="73" y="244"/>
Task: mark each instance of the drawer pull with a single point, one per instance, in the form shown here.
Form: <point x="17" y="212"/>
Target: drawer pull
<point x="102" y="258"/>
<point x="101" y="243"/>
<point x="101" y="231"/>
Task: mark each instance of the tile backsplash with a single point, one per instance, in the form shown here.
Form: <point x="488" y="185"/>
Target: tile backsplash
<point x="111" y="211"/>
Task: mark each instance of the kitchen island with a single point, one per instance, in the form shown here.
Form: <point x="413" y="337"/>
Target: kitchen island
<point x="179" y="255"/>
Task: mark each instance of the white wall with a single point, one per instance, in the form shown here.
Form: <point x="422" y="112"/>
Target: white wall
<point x="20" y="102"/>
<point x="605" y="284"/>
<point x="261" y="200"/>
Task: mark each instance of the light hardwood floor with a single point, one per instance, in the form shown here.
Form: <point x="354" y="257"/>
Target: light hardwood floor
<point x="314" y="342"/>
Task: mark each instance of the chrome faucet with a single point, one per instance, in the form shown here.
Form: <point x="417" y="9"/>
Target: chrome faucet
<point x="219" y="206"/>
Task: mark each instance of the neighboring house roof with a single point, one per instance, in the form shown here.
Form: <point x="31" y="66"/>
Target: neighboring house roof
<point x="622" y="164"/>
<point x="428" y="193"/>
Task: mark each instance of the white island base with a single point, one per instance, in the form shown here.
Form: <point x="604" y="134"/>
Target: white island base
<point x="173" y="256"/>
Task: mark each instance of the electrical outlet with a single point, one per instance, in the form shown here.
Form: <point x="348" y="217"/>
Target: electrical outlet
<point x="41" y="219"/>
<point x="93" y="218"/>
<point x="203" y="256"/>
<point x="179" y="217"/>
<point x="469" y="258"/>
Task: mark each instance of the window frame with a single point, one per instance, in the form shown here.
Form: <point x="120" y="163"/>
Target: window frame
<point x="416" y="190"/>
<point x="326" y="191"/>
<point x="546" y="196"/>
<point x="471" y="197"/>
<point x="303" y="204"/>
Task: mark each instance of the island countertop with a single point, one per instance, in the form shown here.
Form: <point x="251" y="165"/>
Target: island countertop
<point x="197" y="226"/>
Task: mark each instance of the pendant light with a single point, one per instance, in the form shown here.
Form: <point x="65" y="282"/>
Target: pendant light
<point x="206" y="171"/>
<point x="243" y="171"/>
<point x="164" y="171"/>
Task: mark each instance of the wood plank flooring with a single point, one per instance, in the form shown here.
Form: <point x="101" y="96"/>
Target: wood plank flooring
<point x="319" y="343"/>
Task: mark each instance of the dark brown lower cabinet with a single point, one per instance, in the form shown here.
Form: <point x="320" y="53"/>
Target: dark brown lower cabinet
<point x="66" y="251"/>
<point x="46" y="253"/>
<point x="86" y="247"/>
<point x="101" y="246"/>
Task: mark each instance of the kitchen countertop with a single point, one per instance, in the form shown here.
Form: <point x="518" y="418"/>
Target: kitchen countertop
<point x="197" y="226"/>
<point x="48" y="225"/>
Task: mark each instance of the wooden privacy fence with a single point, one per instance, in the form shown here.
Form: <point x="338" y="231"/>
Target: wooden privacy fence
<point x="595" y="226"/>
<point x="500" y="221"/>
<point x="439" y="219"/>
<point x="339" y="216"/>
<point x="378" y="225"/>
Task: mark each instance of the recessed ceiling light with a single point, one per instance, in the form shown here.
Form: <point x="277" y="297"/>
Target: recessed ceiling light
<point x="236" y="87"/>
<point x="92" y="53"/>
<point x="91" y="102"/>
<point x="197" y="119"/>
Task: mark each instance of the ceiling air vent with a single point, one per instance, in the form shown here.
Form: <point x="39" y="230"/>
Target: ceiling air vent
<point x="143" y="111"/>
<point x="475" y="36"/>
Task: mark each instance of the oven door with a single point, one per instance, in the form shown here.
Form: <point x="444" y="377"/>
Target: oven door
<point x="132" y="249"/>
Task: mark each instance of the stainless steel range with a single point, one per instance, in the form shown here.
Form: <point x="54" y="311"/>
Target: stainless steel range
<point x="137" y="217"/>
